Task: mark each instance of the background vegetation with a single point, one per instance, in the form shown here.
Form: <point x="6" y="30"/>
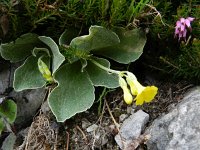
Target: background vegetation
<point x="163" y="52"/>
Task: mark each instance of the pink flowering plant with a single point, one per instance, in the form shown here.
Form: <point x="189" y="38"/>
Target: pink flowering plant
<point x="182" y="27"/>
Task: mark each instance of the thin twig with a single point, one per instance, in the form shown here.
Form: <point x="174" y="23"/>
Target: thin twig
<point x="84" y="136"/>
<point x="158" y="13"/>
<point x="67" y="144"/>
<point x="113" y="119"/>
<point x="186" y="87"/>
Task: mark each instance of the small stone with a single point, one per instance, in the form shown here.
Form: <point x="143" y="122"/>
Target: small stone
<point x="132" y="111"/>
<point x="133" y="125"/>
<point x="45" y="107"/>
<point x="129" y="110"/>
<point x="92" y="128"/>
<point x="85" y="123"/>
<point x="131" y="128"/>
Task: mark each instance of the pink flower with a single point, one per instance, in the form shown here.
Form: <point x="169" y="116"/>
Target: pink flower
<point x="182" y="25"/>
<point x="188" y="20"/>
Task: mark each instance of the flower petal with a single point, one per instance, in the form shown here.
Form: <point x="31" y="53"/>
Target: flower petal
<point x="147" y="95"/>
<point x="187" y="22"/>
<point x="184" y="33"/>
<point x="183" y="27"/>
<point x="177" y="31"/>
<point x="139" y="100"/>
<point x="182" y="20"/>
<point x="150" y="92"/>
<point x="178" y="24"/>
<point x="190" y="18"/>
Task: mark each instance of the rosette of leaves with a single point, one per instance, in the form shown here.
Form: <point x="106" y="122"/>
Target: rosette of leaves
<point x="71" y="64"/>
<point x="8" y="112"/>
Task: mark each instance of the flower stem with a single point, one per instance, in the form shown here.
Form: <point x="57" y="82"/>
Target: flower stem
<point x="104" y="68"/>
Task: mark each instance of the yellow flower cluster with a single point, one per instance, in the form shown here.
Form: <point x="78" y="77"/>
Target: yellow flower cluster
<point x="142" y="94"/>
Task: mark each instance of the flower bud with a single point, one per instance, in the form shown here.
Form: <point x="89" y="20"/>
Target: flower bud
<point x="122" y="82"/>
<point x="127" y="96"/>
<point x="43" y="68"/>
<point x="130" y="80"/>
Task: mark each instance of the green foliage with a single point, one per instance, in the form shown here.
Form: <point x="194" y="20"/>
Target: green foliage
<point x="1" y="125"/>
<point x="76" y="79"/>
<point x="187" y="64"/>
<point x="100" y="77"/>
<point x="103" y="12"/>
<point x="44" y="17"/>
<point x="57" y="57"/>
<point x="28" y="76"/>
<point x="98" y="37"/>
<point x="8" y="112"/>
<point x="22" y="47"/>
<point x="126" y="51"/>
<point x="74" y="93"/>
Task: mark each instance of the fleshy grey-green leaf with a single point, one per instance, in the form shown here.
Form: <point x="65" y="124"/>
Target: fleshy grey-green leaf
<point x="9" y="142"/>
<point x="74" y="93"/>
<point x="57" y="58"/>
<point x="8" y="110"/>
<point x="21" y="48"/>
<point x="100" y="77"/>
<point x="28" y="75"/>
<point x="98" y="37"/>
<point x="84" y="64"/>
<point x="68" y="35"/>
<point x="42" y="51"/>
<point x="129" y="49"/>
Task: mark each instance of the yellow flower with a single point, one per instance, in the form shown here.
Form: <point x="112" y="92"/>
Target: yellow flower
<point x="143" y="94"/>
<point x="127" y="95"/>
<point x="130" y="78"/>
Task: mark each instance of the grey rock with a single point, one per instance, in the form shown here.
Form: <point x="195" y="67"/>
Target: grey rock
<point x="131" y="128"/>
<point x="4" y="78"/>
<point x="28" y="102"/>
<point x="122" y="117"/>
<point x="180" y="128"/>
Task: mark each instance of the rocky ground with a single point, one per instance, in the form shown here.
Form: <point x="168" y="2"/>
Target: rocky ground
<point x="170" y="122"/>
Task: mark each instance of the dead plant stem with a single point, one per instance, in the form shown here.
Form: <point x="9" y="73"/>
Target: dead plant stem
<point x="113" y="119"/>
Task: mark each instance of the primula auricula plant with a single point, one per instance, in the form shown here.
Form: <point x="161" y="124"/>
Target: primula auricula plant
<point x="73" y="69"/>
<point x="182" y="26"/>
